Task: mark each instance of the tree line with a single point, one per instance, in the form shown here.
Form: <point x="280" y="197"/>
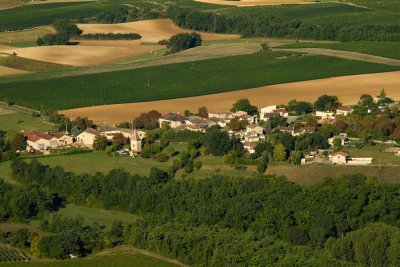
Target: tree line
<point x="262" y="220"/>
<point x="276" y="25"/>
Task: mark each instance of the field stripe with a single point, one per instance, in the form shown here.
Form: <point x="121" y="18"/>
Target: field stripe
<point x="347" y="88"/>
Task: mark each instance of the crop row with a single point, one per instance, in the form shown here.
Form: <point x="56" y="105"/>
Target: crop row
<point x="10" y="254"/>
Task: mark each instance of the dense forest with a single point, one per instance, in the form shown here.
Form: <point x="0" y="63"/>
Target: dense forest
<point x="260" y="24"/>
<point x="223" y="221"/>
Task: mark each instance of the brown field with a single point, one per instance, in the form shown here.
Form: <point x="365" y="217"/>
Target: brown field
<point x="151" y="30"/>
<point x="87" y="53"/>
<point x="6" y="4"/>
<point x="9" y="71"/>
<point x="244" y="3"/>
<point x="347" y="88"/>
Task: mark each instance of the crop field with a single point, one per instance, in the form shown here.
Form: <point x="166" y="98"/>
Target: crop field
<point x="347" y="88"/>
<point x="383" y="49"/>
<point x="30" y="35"/>
<point x="150" y="30"/>
<point x="181" y="80"/>
<point x="30" y="16"/>
<point x="121" y="260"/>
<point x="4" y="71"/>
<point x="8" y="254"/>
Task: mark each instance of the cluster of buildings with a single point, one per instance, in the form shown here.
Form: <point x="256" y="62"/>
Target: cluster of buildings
<point x="44" y="141"/>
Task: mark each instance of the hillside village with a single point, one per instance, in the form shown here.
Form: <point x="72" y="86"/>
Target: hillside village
<point x="297" y="133"/>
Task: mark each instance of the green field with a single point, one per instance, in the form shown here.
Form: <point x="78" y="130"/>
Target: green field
<point x="17" y="121"/>
<point x="20" y="63"/>
<point x="94" y="215"/>
<point x="383" y="49"/>
<point x="37" y="15"/>
<point x="122" y="260"/>
<point x="181" y="80"/>
<point x="101" y="162"/>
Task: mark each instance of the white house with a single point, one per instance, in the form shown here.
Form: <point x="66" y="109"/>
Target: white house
<point x="110" y="131"/>
<point x="220" y="115"/>
<point x="40" y="141"/>
<point x="325" y="114"/>
<point x="87" y="137"/>
<point x="339" y="158"/>
<point x="250" y="147"/>
<point x="255" y="128"/>
<point x="345" y="111"/>
<point x="64" y="139"/>
<point x="253" y="137"/>
<point x="172" y="119"/>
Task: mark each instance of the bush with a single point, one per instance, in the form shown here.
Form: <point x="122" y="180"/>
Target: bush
<point x="198" y="165"/>
<point x="162" y="157"/>
<point x="183" y="41"/>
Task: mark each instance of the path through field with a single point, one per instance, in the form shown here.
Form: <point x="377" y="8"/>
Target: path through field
<point x="346" y="55"/>
<point x="244" y="3"/>
<point x="347" y="88"/>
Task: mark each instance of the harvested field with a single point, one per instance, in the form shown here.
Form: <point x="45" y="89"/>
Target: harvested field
<point x="151" y="30"/>
<point x="10" y="71"/>
<point x="347" y="88"/>
<point x="25" y="35"/>
<point x="87" y="53"/>
<point x="244" y="3"/>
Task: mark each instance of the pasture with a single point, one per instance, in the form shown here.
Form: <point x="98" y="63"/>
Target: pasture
<point x="94" y="215"/>
<point x="247" y="3"/>
<point x="181" y="80"/>
<point x="383" y="49"/>
<point x="16" y="121"/>
<point x="113" y="260"/>
<point x="22" y="64"/>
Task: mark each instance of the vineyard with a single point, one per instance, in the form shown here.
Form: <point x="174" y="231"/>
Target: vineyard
<point x="8" y="254"/>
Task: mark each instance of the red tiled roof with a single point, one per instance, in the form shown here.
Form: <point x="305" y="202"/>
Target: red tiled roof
<point x="341" y="154"/>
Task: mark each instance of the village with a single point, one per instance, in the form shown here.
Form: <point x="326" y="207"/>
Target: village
<point x="314" y="132"/>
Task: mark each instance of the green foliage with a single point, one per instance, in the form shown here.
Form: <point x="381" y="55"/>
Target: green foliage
<point x="117" y="15"/>
<point x="66" y="27"/>
<point x="326" y="102"/>
<point x="100" y="143"/>
<point x="244" y="105"/>
<point x="216" y="142"/>
<point x="53" y="39"/>
<point x="279" y="153"/>
<point x="110" y="36"/>
<point x="18" y="142"/>
<point x="183" y="41"/>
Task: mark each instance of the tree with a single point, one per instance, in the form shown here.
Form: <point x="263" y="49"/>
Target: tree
<point x="183" y="41"/>
<point x="217" y="142"/>
<point x="67" y="27"/>
<point x="18" y="142"/>
<point x="244" y="105"/>
<point x="82" y="123"/>
<point x="300" y="107"/>
<point x="297" y="156"/>
<point x="237" y="124"/>
<point x="147" y="120"/>
<point x="100" y="143"/>
<point x="202" y="112"/>
<point x="366" y="100"/>
<point x="119" y="139"/>
<point x="326" y="102"/>
<point x="279" y="153"/>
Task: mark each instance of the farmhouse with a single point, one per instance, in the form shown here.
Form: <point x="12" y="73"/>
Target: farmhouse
<point x="255" y="128"/>
<point x="40" y="141"/>
<point x="110" y="131"/>
<point x="64" y="139"/>
<point x="339" y="158"/>
<point x="253" y="137"/>
<point x="87" y="137"/>
<point x="220" y="115"/>
<point x="250" y="147"/>
<point x="172" y="119"/>
<point x="324" y="115"/>
<point x="189" y="127"/>
<point x="345" y="111"/>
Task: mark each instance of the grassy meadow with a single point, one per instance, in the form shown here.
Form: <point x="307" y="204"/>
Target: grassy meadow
<point x="26" y="64"/>
<point x="13" y="122"/>
<point x="118" y="260"/>
<point x="181" y="80"/>
<point x="383" y="49"/>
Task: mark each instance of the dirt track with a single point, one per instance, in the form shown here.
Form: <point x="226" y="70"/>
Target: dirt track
<point x="347" y="88"/>
<point x="151" y="30"/>
<point x="244" y="3"/>
<point x="347" y="55"/>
